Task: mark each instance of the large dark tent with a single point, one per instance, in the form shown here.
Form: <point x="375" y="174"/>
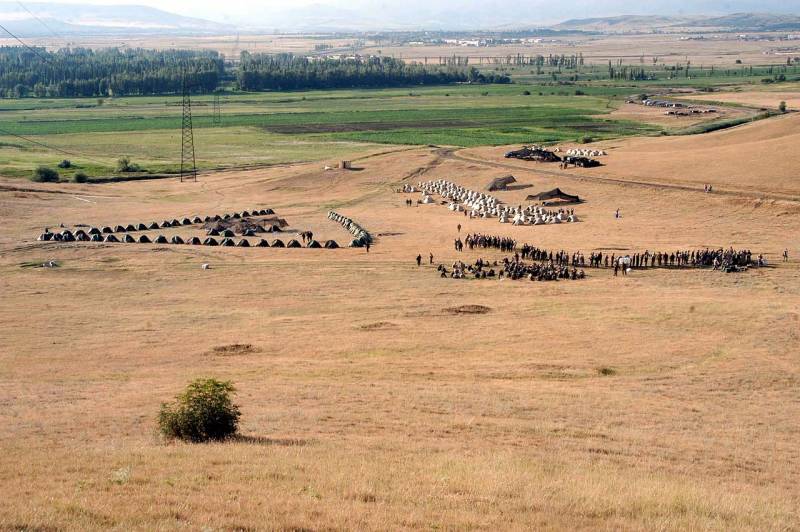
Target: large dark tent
<point x="556" y="193"/>
<point x="501" y="183"/>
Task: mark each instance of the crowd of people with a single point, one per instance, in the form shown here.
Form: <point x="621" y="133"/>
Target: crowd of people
<point x="504" y="244"/>
<point x="511" y="268"/>
<point x="549" y="265"/>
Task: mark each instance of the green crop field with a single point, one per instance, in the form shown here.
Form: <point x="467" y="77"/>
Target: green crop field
<point x="280" y="127"/>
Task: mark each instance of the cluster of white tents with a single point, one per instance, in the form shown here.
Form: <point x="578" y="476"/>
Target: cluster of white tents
<point x="362" y="236"/>
<point x="482" y="205"/>
<point x="582" y="152"/>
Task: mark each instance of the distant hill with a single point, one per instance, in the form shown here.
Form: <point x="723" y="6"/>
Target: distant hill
<point x="648" y="23"/>
<point x="624" y="23"/>
<point x="753" y="22"/>
<point x="72" y="19"/>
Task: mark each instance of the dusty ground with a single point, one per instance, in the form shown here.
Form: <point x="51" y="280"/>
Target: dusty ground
<point x="754" y="160"/>
<point x="667" y="399"/>
<point x="657" y="116"/>
<point x="764" y="98"/>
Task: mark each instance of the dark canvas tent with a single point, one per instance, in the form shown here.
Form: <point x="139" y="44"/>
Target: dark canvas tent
<point x="556" y="193"/>
<point x="501" y="183"/>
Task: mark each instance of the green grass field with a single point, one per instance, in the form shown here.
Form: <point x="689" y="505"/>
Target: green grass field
<point x="271" y="128"/>
<point x="281" y="127"/>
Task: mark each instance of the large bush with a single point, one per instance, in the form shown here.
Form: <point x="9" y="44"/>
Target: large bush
<point x="44" y="174"/>
<point x="204" y="411"/>
<point x="80" y="177"/>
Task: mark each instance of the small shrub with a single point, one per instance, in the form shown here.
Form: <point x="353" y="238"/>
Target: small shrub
<point x="586" y="140"/>
<point x="607" y="372"/>
<point x="80" y="177"/>
<point x="124" y="164"/>
<point x="44" y="174"/>
<point x="526" y="93"/>
<point x="782" y="107"/>
<point x="66" y="163"/>
<point x="580" y="93"/>
<point x="203" y="412"/>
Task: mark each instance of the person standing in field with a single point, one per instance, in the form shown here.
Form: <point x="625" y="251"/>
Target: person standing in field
<point x="459" y="228"/>
<point x="366" y="245"/>
<point x="786" y="255"/>
<point x="419" y="260"/>
<point x="430" y="259"/>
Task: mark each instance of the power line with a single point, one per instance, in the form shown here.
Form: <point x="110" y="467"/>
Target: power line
<point x="23" y="43"/>
<point x="42" y="23"/>
<point x="53" y="148"/>
<point x="188" y="164"/>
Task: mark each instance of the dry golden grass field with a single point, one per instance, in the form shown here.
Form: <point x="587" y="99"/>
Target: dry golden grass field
<point x="769" y="99"/>
<point x="722" y="49"/>
<point x="667" y="399"/>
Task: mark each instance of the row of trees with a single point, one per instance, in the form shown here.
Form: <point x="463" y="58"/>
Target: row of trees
<point x="290" y="72"/>
<point x="111" y="72"/>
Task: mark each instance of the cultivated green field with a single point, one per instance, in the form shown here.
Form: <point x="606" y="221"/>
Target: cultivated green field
<point x="281" y="127"/>
<point x="271" y="128"/>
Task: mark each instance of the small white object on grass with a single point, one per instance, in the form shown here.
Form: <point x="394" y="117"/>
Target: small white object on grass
<point x="206" y="266"/>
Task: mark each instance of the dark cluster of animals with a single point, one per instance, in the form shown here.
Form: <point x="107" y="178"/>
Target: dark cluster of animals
<point x="538" y="154"/>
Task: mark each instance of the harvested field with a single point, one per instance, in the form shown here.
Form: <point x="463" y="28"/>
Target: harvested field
<point x="667" y="399"/>
<point x="764" y="98"/>
<point x="751" y="159"/>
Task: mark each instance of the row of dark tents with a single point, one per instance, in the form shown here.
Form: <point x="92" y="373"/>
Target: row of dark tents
<point x="82" y="236"/>
<point x="178" y="223"/>
<point x="253" y="231"/>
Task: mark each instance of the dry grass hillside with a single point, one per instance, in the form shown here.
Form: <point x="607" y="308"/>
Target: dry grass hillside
<point x="667" y="399"/>
<point x="756" y="159"/>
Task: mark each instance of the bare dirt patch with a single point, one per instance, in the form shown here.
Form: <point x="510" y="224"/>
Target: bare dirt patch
<point x="378" y="326"/>
<point x="233" y="350"/>
<point x="468" y="309"/>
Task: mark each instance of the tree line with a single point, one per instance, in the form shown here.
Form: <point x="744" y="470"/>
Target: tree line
<point x="259" y="72"/>
<point x="80" y="72"/>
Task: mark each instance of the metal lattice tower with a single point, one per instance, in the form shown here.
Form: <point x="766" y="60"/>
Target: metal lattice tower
<point x="217" y="117"/>
<point x="188" y="165"/>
